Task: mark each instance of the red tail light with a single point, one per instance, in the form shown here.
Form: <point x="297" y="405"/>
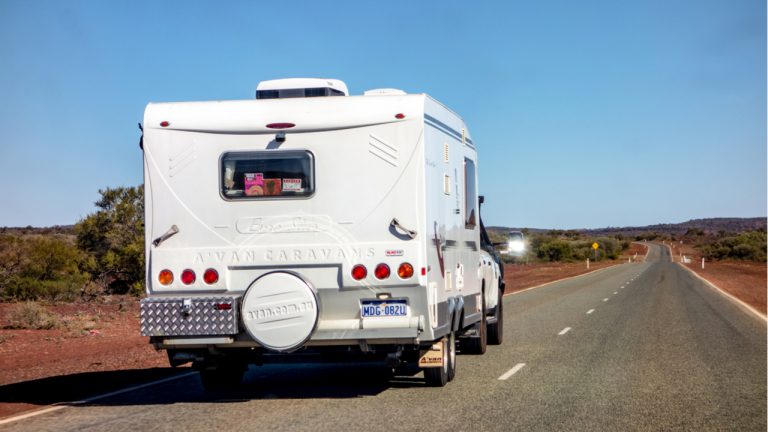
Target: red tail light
<point x="188" y="277"/>
<point x="382" y="271"/>
<point x="359" y="272"/>
<point x="211" y="276"/>
<point x="280" y="125"/>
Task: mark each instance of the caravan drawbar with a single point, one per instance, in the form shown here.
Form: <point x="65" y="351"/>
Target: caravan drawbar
<point x="310" y="225"/>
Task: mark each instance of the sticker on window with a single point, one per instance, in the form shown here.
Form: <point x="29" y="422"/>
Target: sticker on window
<point x="292" y="185"/>
<point x="272" y="187"/>
<point x="254" y="184"/>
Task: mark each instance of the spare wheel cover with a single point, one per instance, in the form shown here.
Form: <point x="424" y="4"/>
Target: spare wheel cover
<point x="280" y="311"/>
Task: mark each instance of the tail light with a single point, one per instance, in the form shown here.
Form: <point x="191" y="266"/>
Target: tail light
<point x="211" y="276"/>
<point x="359" y="272"/>
<point x="382" y="271"/>
<point x="165" y="277"/>
<point x="405" y="270"/>
<point x="188" y="277"/>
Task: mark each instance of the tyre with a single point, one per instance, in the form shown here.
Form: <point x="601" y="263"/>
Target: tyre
<point x="451" y="356"/>
<point x="477" y="344"/>
<point x="439" y="377"/>
<point x="496" y="330"/>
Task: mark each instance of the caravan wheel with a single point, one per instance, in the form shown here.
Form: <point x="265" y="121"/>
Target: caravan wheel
<point x="438" y="377"/>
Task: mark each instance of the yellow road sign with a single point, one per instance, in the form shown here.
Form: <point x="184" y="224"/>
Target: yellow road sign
<point x="595" y="246"/>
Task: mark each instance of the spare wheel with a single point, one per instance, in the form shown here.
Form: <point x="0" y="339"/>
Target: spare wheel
<point x="280" y="311"/>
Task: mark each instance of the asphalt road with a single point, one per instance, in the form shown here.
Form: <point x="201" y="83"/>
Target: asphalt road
<point x="633" y="347"/>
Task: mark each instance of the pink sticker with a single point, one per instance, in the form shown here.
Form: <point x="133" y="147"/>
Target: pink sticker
<point x="254" y="184"/>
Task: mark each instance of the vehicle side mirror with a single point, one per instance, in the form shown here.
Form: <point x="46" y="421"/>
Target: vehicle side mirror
<point x="481" y="199"/>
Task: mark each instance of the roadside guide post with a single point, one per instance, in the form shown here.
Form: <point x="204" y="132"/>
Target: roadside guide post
<point x="702" y="263"/>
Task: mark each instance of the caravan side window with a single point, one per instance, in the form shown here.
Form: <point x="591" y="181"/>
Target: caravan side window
<point x="470" y="195"/>
<point x="267" y="174"/>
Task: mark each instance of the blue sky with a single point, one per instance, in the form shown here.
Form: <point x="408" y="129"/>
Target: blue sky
<point x="586" y="114"/>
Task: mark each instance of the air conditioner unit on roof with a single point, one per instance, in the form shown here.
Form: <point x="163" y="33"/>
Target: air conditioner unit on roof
<point x="300" y="87"/>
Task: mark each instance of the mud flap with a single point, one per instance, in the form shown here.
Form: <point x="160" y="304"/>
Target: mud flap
<point x="432" y="357"/>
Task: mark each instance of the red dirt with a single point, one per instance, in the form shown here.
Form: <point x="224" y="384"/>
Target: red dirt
<point x="745" y="280"/>
<point x="101" y="337"/>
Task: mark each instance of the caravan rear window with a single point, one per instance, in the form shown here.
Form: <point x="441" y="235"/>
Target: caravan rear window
<point x="267" y="174"/>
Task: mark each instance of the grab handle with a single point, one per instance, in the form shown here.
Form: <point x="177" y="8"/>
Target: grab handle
<point x="396" y="224"/>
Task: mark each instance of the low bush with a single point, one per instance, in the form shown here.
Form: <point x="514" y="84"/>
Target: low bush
<point x="31" y="316"/>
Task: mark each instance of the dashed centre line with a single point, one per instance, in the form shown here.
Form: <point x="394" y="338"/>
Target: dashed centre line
<point x="615" y="292"/>
<point x="512" y="371"/>
<point x="590" y="311"/>
<point x="605" y="299"/>
<point x="564" y="331"/>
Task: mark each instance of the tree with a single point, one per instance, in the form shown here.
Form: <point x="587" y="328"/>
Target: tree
<point x="113" y="236"/>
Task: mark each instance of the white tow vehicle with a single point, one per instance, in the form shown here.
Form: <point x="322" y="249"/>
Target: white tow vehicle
<point x="312" y="225"/>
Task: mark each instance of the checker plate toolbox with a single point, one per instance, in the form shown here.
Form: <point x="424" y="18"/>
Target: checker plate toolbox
<point x="189" y="316"/>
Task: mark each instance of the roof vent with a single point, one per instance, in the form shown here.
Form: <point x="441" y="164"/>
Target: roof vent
<point x="300" y="87"/>
<point x="384" y="91"/>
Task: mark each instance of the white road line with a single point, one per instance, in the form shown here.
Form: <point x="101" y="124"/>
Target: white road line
<point x="605" y="299"/>
<point x="590" y="311"/>
<point x="564" y="331"/>
<point x="63" y="405"/>
<point x="512" y="371"/>
<point x="615" y="292"/>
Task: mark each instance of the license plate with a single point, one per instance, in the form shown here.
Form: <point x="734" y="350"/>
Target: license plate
<point x="383" y="308"/>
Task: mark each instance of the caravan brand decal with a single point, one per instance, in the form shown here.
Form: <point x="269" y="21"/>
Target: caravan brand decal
<point x="250" y="256"/>
<point x="282" y="224"/>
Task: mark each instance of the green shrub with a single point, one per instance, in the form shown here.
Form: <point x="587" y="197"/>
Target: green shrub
<point x="114" y="239"/>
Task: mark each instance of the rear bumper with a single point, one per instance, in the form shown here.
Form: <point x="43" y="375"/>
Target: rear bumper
<point x="180" y="321"/>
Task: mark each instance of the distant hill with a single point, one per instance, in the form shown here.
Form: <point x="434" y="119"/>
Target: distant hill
<point x="56" y="229"/>
<point x="711" y="225"/>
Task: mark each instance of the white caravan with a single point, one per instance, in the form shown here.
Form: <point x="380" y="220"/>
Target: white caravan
<point x="312" y="225"/>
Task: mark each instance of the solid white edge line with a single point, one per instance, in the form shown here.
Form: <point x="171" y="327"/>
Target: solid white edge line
<point x="590" y="311"/>
<point x="512" y="371"/>
<point x="564" y="331"/>
<point x="62" y="405"/>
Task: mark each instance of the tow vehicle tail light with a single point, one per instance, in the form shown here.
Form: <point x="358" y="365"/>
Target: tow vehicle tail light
<point x="405" y="270"/>
<point x="382" y="271"/>
<point x="188" y="277"/>
<point x="359" y="272"/>
<point x="211" y="276"/>
<point x="165" y="277"/>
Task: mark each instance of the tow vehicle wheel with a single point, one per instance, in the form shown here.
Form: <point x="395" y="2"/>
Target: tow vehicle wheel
<point x="478" y="344"/>
<point x="496" y="330"/>
<point x="224" y="375"/>
<point x="439" y="377"/>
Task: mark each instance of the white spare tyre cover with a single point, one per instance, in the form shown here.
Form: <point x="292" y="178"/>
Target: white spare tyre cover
<point x="280" y="311"/>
